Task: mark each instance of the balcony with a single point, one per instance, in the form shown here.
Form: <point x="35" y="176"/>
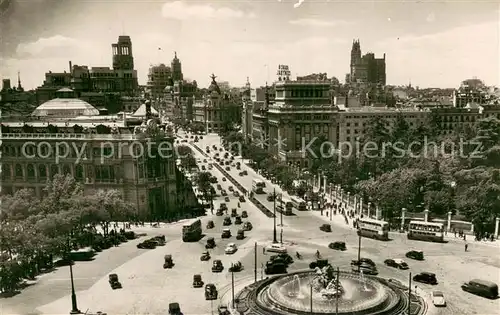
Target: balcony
<point x="67" y="136"/>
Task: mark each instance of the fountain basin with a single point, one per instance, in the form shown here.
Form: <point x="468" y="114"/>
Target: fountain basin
<point x="291" y="294"/>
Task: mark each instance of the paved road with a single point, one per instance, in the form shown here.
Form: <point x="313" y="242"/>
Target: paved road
<point x="449" y="262"/>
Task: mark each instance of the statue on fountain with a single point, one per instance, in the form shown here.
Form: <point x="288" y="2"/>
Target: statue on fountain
<point x="326" y="282"/>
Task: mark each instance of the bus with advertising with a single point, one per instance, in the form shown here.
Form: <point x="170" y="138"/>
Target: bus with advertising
<point x="376" y="229"/>
<point x="298" y="203"/>
<point x="426" y="231"/>
<point x="191" y="230"/>
<point x="258" y="186"/>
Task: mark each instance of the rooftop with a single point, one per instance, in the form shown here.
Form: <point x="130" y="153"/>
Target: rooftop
<point x="65" y="107"/>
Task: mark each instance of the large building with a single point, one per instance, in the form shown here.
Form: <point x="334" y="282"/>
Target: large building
<point x="366" y="68"/>
<point x="303" y="110"/>
<point x="67" y="135"/>
<point x="217" y="109"/>
<point x="15" y="100"/>
<point x="159" y="77"/>
<point x="184" y="93"/>
<point x="121" y="79"/>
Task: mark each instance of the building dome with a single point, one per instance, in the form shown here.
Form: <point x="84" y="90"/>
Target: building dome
<point x="65" y="107"/>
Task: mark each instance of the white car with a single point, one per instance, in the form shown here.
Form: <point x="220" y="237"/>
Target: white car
<point x="231" y="248"/>
<point x="438" y="298"/>
<point x="276" y="248"/>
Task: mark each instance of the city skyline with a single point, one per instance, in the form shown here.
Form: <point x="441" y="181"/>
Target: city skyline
<point x="426" y="43"/>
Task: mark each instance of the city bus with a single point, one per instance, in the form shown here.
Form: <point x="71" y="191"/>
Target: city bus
<point x="376" y="229"/>
<point x="298" y="204"/>
<point x="425" y="231"/>
<point x="258" y="186"/>
<point x="191" y="231"/>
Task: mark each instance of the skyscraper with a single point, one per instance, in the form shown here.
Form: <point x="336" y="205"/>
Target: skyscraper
<point x="176" y="69"/>
<point x="123" y="58"/>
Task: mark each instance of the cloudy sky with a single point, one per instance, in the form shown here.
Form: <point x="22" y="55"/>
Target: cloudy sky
<point x="431" y="43"/>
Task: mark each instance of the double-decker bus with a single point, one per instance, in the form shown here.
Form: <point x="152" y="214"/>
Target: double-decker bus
<point x="425" y="231"/>
<point x="191" y="231"/>
<point x="376" y="229"/>
<point x="298" y="203"/>
<point x="258" y="186"/>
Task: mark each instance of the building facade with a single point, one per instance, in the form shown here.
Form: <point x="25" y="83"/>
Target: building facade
<point x="159" y="77"/>
<point x="184" y="96"/>
<point x="217" y="109"/>
<point x="101" y="152"/>
<point x="366" y="68"/>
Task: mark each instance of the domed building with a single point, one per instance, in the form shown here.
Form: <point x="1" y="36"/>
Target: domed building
<point x="65" y="105"/>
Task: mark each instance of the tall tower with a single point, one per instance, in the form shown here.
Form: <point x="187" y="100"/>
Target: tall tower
<point x="355" y="59"/>
<point x="122" y="54"/>
<point x="176" y="69"/>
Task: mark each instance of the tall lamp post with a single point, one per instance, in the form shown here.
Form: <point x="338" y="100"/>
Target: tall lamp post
<point x="74" y="305"/>
<point x="274" y="218"/>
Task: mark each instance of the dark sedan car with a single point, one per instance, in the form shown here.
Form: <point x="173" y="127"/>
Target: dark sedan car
<point x="426" y="277"/>
<point x="396" y="263"/>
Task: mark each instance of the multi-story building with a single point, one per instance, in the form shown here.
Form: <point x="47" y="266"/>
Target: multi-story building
<point x="122" y="78"/>
<point x="302" y="110"/>
<point x="366" y="68"/>
<point x="159" y="77"/>
<point x="217" y="109"/>
<point x="472" y="91"/>
<point x="176" y="67"/>
<point x="184" y="95"/>
<point x="68" y="136"/>
<point x="15" y="100"/>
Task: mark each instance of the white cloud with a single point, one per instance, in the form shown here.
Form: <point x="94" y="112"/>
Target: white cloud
<point x="446" y="58"/>
<point x="318" y="23"/>
<point x="179" y="10"/>
<point x="50" y="47"/>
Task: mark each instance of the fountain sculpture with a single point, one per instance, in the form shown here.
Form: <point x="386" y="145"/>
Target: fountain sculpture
<point x="348" y="292"/>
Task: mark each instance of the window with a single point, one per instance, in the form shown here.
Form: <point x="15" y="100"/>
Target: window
<point x="42" y="171"/>
<point x="5" y="171"/>
<point x="30" y="171"/>
<point x="66" y="169"/>
<point x="79" y="171"/>
<point x="19" y="171"/>
<point x="54" y="169"/>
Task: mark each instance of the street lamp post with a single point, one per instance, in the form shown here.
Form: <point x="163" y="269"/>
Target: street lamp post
<point x="274" y="218"/>
<point x="74" y="305"/>
<point x="359" y="249"/>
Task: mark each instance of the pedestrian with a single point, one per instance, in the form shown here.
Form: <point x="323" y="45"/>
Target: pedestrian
<point x="263" y="250"/>
<point x="466" y="246"/>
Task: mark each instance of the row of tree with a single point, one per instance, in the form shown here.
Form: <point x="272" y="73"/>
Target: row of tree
<point x="34" y="231"/>
<point x="457" y="171"/>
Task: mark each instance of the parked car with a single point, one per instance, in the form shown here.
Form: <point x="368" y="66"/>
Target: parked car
<point x="205" y="256"/>
<point x="236" y="267"/>
<point x="240" y="235"/>
<point x="226" y="199"/>
<point x="438" y="299"/>
<point x="415" y="254"/>
<point x="482" y="288"/>
<point x="226" y="233"/>
<point x="242" y="198"/>
<point x="365" y="268"/>
<point x="270" y="197"/>
<point x="234" y="212"/>
<point x="227" y="221"/>
<point x="230" y="188"/>
<point x="362" y="260"/>
<point x="217" y="266"/>
<point x="174" y="309"/>
<point x="326" y="228"/>
<point x="197" y="282"/>
<point x="210" y="243"/>
<point x="425" y="277"/>
<point x="114" y="282"/>
<point x="219" y="212"/>
<point x="211" y="292"/>
<point x="337" y="246"/>
<point x="223" y="193"/>
<point x="273" y="268"/>
<point x="244" y="213"/>
<point x="276" y="248"/>
<point x="210" y="224"/>
<point x="237" y="220"/>
<point x="318" y="263"/>
<point x="231" y="248"/>
<point x="236" y="193"/>
<point x="396" y="263"/>
<point x="284" y="257"/>
<point x="168" y="262"/>
<point x="224" y="179"/>
<point x="247" y="226"/>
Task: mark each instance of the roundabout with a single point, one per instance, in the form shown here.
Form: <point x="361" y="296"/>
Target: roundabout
<point x="316" y="292"/>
